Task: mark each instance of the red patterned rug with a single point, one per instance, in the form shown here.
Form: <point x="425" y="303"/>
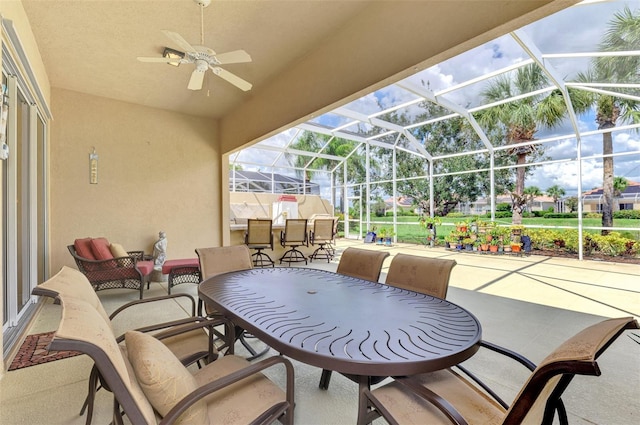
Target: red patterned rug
<point x="33" y="351"/>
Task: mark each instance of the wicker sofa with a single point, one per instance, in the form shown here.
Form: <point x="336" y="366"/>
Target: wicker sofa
<point x="109" y="266"/>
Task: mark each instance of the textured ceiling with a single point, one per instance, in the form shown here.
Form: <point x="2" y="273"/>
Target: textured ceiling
<point x="91" y="46"/>
<point x="307" y="54"/>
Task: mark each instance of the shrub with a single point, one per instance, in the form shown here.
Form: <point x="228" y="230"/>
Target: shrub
<point x="629" y="214"/>
<point x="613" y="244"/>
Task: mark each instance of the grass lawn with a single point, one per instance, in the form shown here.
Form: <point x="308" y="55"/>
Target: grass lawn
<point x="410" y="231"/>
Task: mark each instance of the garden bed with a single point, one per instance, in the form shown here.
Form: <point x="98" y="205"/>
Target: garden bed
<point x="595" y="256"/>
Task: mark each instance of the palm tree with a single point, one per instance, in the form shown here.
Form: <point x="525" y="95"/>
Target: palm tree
<point x="619" y="185"/>
<point x="623" y="34"/>
<point x="556" y="192"/>
<point x="518" y="120"/>
<point x="530" y="193"/>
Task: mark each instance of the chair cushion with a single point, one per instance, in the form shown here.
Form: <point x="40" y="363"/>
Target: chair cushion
<point x="163" y="379"/>
<point x="83" y="248"/>
<point x="117" y="250"/>
<point x="100" y="248"/>
<point x="471" y="402"/>
<point x="184" y="262"/>
<point x="240" y="403"/>
<point x="145" y="267"/>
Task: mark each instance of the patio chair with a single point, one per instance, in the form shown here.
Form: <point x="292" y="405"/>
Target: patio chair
<point x="459" y="397"/>
<point x="96" y="260"/>
<point x="223" y="259"/>
<point x="322" y="235"/>
<point x="420" y="274"/>
<point x="190" y="339"/>
<point x="259" y="236"/>
<point x="294" y="236"/>
<point x="150" y="385"/>
<point x="363" y="264"/>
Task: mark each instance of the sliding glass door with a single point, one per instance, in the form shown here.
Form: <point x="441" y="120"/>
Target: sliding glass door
<point x="23" y="204"/>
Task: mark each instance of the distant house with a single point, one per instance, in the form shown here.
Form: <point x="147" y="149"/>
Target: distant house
<point x="629" y="199"/>
<point x="403" y="202"/>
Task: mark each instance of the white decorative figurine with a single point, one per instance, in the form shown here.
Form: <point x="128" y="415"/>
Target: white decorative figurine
<point x="160" y="250"/>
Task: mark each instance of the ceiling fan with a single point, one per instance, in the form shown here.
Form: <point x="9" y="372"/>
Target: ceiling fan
<point x="203" y="57"/>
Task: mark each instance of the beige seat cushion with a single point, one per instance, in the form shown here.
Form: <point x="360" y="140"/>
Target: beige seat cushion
<point x="163" y="379"/>
<point x="241" y="402"/>
<point x="476" y="407"/>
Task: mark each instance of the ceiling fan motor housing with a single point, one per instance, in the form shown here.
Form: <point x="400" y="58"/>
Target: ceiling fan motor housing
<point x="203" y="53"/>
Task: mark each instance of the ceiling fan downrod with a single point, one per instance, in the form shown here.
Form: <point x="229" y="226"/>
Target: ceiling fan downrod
<point x="202" y="4"/>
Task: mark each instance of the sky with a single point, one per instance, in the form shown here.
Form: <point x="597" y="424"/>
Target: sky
<point x="578" y="29"/>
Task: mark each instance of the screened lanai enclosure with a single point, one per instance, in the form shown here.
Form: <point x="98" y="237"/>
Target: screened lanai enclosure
<point x="550" y="109"/>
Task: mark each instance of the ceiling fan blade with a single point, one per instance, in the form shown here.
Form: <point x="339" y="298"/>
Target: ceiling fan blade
<point x="232" y="78"/>
<point x="158" y="60"/>
<point x="181" y="42"/>
<point x="237" y="56"/>
<point x="195" y="82"/>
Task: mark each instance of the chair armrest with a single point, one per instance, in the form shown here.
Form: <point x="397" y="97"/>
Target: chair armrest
<point x="155" y="299"/>
<point x="137" y="255"/>
<point x="232" y="378"/>
<point x="505" y="352"/>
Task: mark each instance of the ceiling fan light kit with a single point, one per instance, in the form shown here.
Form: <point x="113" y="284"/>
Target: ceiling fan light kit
<point x="204" y="58"/>
<point x="172" y="54"/>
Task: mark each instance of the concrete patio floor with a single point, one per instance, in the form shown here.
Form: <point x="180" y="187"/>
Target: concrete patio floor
<point x="528" y="304"/>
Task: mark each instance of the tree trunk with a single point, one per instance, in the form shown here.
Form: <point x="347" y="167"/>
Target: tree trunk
<point x="517" y="207"/>
<point x="607" y="182"/>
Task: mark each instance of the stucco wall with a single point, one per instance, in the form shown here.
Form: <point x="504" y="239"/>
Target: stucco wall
<point x="157" y="170"/>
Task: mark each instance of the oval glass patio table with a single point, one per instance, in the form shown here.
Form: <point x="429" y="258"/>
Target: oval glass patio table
<point x="345" y="324"/>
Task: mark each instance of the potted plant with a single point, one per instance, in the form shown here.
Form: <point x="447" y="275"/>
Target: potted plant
<point x="516" y="243"/>
<point x="429" y="224"/>
<point x="450" y="240"/>
<point x="468" y="243"/>
<point x="388" y="236"/>
<point x="462" y="226"/>
<point x="381" y="236"/>
<point x="476" y="245"/>
<point x="495" y="233"/>
<point x="494" y="245"/>
<point x="484" y="242"/>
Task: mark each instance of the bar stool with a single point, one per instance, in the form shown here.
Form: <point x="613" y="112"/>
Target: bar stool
<point x="294" y="235"/>
<point x="258" y="237"/>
